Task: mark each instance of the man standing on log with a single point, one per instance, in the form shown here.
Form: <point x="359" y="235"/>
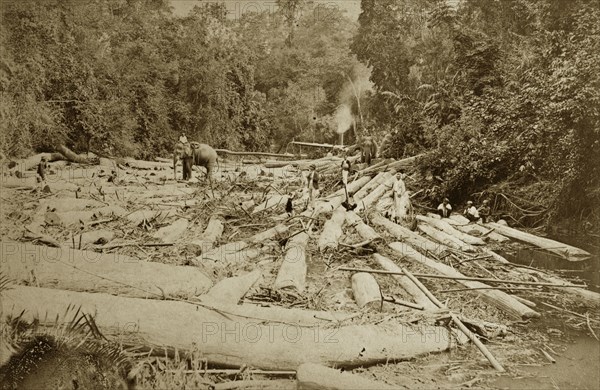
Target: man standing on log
<point x="444" y="209"/>
<point x="345" y="169"/>
<point x="313" y="185"/>
<point x="183" y="139"/>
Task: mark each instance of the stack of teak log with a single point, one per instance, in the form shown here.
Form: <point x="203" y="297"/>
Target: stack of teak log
<point x="81" y="274"/>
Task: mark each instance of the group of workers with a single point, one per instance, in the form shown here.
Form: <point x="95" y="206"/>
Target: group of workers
<point x="472" y="213"/>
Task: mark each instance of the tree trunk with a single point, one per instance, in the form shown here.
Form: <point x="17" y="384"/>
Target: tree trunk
<point x="231" y="290"/>
<point x="74" y="157"/>
<point x="77" y="270"/>
<point x="497" y="298"/>
<point x="365" y="231"/>
<point x="449" y="229"/>
<point x="332" y="230"/>
<point x="444" y="238"/>
<point x="172" y="232"/>
<point x="211" y="234"/>
<point x="293" y="268"/>
<point x="366" y="291"/>
<point x="376" y="194"/>
<point x="226" y="338"/>
<point x="407" y="236"/>
<point x="310" y="376"/>
<point x="485" y="232"/>
<point x="405" y="282"/>
<point x="566" y="251"/>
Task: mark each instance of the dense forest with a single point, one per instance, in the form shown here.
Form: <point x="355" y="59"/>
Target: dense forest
<point x="502" y="97"/>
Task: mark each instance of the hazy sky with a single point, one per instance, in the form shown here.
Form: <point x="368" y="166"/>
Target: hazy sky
<point x="236" y="8"/>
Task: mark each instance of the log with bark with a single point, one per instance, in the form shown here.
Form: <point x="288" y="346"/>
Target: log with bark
<point x="405" y="282"/>
<point x="447" y="228"/>
<point x="292" y="273"/>
<point x="332" y="230"/>
<point x="260" y="154"/>
<point x="372" y="184"/>
<point x="422" y="243"/>
<point x="225" y="338"/>
<point x="366" y="291"/>
<point x="310" y="376"/>
<point x="567" y="252"/>
<point x="77" y="270"/>
<point x="497" y="298"/>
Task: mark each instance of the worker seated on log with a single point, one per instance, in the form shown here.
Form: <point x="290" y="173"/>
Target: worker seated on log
<point x="445" y="209"/>
<point x="313" y="185"/>
<point x="484" y="211"/>
<point x="183" y="139"/>
<point x="471" y="212"/>
<point x="41" y="170"/>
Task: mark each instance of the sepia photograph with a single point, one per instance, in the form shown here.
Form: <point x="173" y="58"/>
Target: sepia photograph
<point x="300" y="194"/>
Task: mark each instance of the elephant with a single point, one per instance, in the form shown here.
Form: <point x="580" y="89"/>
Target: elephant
<point x="368" y="149"/>
<point x="194" y="153"/>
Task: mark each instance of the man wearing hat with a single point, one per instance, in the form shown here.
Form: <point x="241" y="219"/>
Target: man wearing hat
<point x="471" y="212"/>
<point x="313" y="185"/>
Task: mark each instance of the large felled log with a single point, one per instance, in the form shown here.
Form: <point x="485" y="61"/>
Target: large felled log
<point x="32" y="161"/>
<point x="483" y="231"/>
<point x="231" y="290"/>
<point x="292" y="273"/>
<point x="238" y="252"/>
<point x="372" y="197"/>
<point x="445" y="238"/>
<point x="372" y="184"/>
<point x="226" y="340"/>
<point x="77" y="270"/>
<point x="260" y="154"/>
<point x="449" y="229"/>
<point x="310" y="376"/>
<point x="422" y="243"/>
<point x="365" y="231"/>
<point x="332" y="230"/>
<point x="497" y="298"/>
<point x="568" y="252"/>
<point x="74" y="157"/>
<point x="211" y="234"/>
<point x="366" y="291"/>
<point x="405" y="282"/>
<point x="353" y="187"/>
<point x="172" y="232"/>
<point x="589" y="298"/>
